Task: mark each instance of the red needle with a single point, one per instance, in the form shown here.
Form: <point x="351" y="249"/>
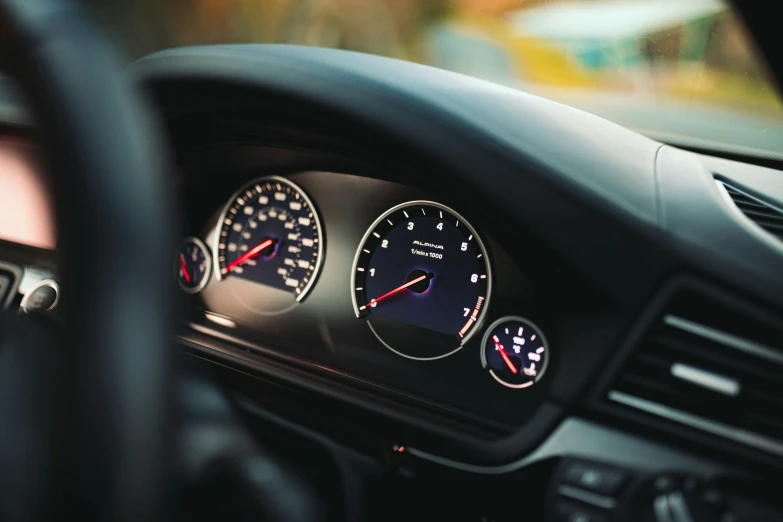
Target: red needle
<point x="250" y="253"/>
<point x="184" y="268"/>
<point x="505" y="357"/>
<point x="397" y="290"/>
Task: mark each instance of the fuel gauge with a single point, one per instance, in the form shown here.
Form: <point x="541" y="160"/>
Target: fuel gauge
<point x="193" y="265"/>
<point x="515" y="352"/>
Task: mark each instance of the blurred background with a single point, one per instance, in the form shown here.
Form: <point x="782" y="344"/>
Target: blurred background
<point x="679" y="70"/>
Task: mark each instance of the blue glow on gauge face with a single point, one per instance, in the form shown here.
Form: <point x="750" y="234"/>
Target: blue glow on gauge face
<point x="427" y="251"/>
<point x="269" y="235"/>
<point x="423" y="267"/>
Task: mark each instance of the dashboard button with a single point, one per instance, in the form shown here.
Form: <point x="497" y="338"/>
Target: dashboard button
<point x="41" y="298"/>
<point x="597" y="479"/>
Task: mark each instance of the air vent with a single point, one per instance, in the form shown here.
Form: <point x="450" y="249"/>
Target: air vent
<point x="709" y="367"/>
<point x="765" y="215"/>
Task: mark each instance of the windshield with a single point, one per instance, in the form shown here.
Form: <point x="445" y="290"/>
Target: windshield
<point x="684" y="71"/>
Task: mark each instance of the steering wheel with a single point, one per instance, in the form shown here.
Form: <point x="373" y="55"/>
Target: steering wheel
<point x="95" y="424"/>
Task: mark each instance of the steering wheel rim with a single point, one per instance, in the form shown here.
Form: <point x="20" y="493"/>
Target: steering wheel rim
<point x="108" y="442"/>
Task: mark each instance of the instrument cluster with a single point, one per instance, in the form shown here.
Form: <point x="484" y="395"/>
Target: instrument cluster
<point x="421" y="284"/>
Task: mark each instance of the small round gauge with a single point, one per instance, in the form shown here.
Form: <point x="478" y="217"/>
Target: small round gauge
<point x="269" y="233"/>
<point x="422" y="280"/>
<point x="193" y="265"/>
<point x="515" y="352"/>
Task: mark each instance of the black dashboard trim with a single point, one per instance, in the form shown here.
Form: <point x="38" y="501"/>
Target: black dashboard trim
<point x="434" y="432"/>
<point x="573" y="437"/>
<point x="253" y="355"/>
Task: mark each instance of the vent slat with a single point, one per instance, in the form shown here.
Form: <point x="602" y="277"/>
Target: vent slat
<point x="724" y="360"/>
<point x="763" y="216"/>
<point x="750" y="204"/>
<point x="706" y="373"/>
<point x="766" y="216"/>
<point x="768" y="225"/>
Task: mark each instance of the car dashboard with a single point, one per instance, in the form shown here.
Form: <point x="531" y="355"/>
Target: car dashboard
<point x="417" y="265"/>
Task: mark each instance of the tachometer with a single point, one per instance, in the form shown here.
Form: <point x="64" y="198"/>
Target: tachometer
<point x="422" y="280"/>
<point x="269" y="233"/>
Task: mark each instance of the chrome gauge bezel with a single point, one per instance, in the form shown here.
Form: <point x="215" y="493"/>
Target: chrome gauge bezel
<point x="539" y="333"/>
<point x="317" y="218"/>
<point x="207" y="273"/>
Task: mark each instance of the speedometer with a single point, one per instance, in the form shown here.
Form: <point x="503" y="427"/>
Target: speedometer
<point x="269" y="233"/>
<point x="422" y="280"/>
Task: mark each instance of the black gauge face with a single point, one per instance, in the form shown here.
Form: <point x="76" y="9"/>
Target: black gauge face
<point x="515" y="352"/>
<point x="269" y="233"/>
<point x="422" y="280"/>
<point x="192" y="265"/>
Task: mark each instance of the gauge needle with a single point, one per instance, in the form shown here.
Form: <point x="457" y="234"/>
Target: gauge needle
<point x="505" y="357"/>
<point x="250" y="253"/>
<point x="397" y="290"/>
<point x="184" y="268"/>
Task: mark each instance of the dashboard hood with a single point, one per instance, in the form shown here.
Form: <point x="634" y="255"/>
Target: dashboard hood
<point x="605" y="159"/>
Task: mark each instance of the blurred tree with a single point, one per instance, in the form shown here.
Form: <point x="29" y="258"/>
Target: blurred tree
<point x="385" y="27"/>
